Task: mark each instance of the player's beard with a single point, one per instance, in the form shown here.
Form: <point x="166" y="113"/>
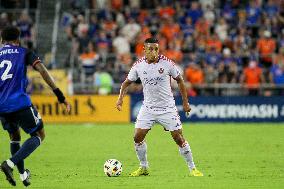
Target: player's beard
<point x="151" y="58"/>
<point x="154" y="59"/>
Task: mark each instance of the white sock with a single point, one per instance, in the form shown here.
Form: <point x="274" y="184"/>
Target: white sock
<point x="185" y="151"/>
<point x="141" y="151"/>
<point x="24" y="176"/>
<point x="10" y="163"/>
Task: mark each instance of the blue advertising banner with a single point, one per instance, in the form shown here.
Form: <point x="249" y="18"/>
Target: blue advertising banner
<point x="225" y="109"/>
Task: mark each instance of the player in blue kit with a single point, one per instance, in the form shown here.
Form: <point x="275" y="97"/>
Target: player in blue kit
<point x="16" y="109"/>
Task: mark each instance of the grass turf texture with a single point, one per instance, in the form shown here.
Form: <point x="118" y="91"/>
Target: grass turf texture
<point x="229" y="155"/>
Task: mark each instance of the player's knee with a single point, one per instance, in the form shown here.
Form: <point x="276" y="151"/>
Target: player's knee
<point x="16" y="136"/>
<point x="40" y="134"/>
<point x="137" y="139"/>
<point x="139" y="135"/>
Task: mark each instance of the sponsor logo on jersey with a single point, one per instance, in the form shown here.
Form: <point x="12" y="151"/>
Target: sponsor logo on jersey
<point x="152" y="81"/>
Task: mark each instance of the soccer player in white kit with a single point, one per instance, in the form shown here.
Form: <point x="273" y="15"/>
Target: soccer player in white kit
<point x="155" y="72"/>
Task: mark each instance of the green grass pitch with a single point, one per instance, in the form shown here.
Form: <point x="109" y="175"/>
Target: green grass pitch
<point x="230" y="155"/>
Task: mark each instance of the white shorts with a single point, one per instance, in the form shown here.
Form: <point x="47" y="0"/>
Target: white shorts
<point x="170" y="120"/>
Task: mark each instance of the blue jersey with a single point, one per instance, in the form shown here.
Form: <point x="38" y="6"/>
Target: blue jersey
<point x="13" y="79"/>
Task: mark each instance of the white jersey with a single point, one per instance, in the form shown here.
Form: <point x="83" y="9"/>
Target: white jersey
<point x="156" y="81"/>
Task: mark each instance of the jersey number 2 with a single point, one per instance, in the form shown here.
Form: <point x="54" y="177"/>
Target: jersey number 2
<point x="6" y="74"/>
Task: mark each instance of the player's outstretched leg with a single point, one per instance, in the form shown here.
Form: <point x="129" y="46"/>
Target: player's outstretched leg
<point x="185" y="151"/>
<point x="25" y="177"/>
<point x="24" y="173"/>
<point x="15" y="138"/>
<point x="8" y="171"/>
<point x="141" y="152"/>
<point x="27" y="148"/>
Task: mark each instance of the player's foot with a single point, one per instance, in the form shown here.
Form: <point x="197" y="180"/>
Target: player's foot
<point x="8" y="171"/>
<point x="25" y="177"/>
<point x="195" y="173"/>
<point x="140" y="171"/>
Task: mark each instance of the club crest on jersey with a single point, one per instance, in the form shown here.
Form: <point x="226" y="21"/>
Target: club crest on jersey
<point x="161" y="70"/>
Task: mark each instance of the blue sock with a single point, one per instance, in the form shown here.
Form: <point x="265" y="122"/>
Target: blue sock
<point x="27" y="148"/>
<point x="14" y="147"/>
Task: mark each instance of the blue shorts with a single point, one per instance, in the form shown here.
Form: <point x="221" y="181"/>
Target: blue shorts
<point x="28" y="119"/>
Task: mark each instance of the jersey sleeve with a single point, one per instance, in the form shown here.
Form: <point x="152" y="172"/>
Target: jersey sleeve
<point x="32" y="59"/>
<point x="174" y="72"/>
<point x="133" y="74"/>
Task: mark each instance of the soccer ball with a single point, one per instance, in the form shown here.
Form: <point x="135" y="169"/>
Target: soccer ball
<point x="112" y="168"/>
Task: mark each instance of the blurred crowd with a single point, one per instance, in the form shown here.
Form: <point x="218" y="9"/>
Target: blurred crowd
<point x="212" y="42"/>
<point x="24" y="22"/>
<point x="20" y="13"/>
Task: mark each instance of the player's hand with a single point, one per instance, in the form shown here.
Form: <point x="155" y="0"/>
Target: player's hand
<point x="186" y="107"/>
<point x="119" y="104"/>
<point x="66" y="105"/>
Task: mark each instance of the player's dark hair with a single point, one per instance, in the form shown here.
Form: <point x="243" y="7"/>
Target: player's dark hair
<point x="151" y="40"/>
<point x="10" y="33"/>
